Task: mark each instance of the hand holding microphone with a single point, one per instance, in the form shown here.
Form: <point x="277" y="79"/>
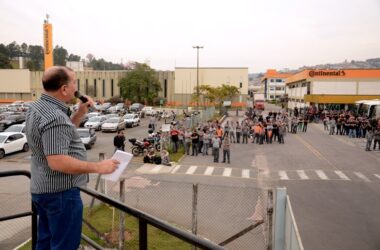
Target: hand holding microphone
<point x="84" y="99"/>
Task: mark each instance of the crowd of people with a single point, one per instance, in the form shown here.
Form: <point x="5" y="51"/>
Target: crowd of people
<point x="347" y="124"/>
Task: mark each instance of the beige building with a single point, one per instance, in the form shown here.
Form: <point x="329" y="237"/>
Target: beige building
<point x="186" y="81"/>
<point x="177" y="86"/>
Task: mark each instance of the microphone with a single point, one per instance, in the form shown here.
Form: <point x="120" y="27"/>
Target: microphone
<point x="81" y="97"/>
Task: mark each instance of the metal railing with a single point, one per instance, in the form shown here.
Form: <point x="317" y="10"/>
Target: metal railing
<point x="32" y="213"/>
<point x="143" y="218"/>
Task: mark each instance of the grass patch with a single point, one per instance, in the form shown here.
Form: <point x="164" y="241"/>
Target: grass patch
<point x="106" y="221"/>
<point x="177" y="156"/>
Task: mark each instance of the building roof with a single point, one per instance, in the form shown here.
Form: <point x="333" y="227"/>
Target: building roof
<point x="272" y="73"/>
<point x="309" y="74"/>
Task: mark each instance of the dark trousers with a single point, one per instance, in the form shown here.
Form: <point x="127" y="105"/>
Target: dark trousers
<point x="215" y="152"/>
<point x="194" y="149"/>
<point x="226" y="154"/>
<point x="238" y="137"/>
<point x="59" y="219"/>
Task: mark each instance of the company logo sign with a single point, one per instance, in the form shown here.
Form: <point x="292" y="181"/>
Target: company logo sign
<point x="313" y="73"/>
<point x="46" y="40"/>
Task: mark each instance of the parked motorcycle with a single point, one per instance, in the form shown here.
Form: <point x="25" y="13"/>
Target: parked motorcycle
<point x="140" y="147"/>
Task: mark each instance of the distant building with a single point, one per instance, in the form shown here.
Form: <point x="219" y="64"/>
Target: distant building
<point x="274" y="84"/>
<point x="332" y="88"/>
<point x="76" y="66"/>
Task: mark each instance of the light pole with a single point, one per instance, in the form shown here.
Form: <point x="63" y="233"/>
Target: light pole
<point x="197" y="47"/>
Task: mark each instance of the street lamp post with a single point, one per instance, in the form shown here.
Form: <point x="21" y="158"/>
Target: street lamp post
<point x="197" y="47"/>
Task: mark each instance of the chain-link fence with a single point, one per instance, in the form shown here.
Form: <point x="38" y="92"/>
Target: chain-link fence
<point x="234" y="216"/>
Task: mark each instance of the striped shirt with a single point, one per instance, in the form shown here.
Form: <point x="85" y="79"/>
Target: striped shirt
<point x="49" y="131"/>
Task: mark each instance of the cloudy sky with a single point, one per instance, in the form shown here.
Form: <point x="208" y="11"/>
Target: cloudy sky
<point x="258" y="34"/>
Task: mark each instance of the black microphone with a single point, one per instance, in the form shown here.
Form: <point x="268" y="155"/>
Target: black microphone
<point x="81" y="97"/>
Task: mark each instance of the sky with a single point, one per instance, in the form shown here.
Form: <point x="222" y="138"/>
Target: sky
<point x="258" y="34"/>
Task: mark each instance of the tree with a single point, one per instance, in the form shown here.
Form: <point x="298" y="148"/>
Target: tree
<point x="14" y="50"/>
<point x="216" y="94"/>
<point x="36" y="55"/>
<point x="73" y="58"/>
<point x="59" y="56"/>
<point x="4" y="59"/>
<point x="140" y="84"/>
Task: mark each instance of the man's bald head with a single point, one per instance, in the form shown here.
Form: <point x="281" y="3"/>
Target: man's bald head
<point x="55" y="77"/>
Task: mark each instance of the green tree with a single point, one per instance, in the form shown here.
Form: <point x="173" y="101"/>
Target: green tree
<point x="140" y="84"/>
<point x="60" y="56"/>
<point x="4" y="59"/>
<point x="14" y="50"/>
<point x="36" y="55"/>
<point x="73" y="58"/>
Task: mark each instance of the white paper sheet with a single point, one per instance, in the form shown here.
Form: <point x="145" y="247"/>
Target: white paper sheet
<point x="124" y="158"/>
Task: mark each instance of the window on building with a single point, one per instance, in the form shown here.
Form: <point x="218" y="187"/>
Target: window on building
<point x="272" y="88"/>
<point x="95" y="88"/>
<point x="165" y="88"/>
<point x="271" y="80"/>
<point x="104" y="88"/>
<point x="78" y="84"/>
<point x="278" y="80"/>
<point x="241" y="85"/>
<point x="86" y="87"/>
<point x="112" y="88"/>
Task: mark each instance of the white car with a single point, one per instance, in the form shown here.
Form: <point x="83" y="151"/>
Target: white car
<point x="131" y="120"/>
<point x="95" y="122"/>
<point x="113" y="124"/>
<point x="20" y="128"/>
<point x="12" y="142"/>
<point x="148" y="110"/>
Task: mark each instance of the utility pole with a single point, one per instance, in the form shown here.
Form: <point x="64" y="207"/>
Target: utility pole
<point x="197" y="47"/>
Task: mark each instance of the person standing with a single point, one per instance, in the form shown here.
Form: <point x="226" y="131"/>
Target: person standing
<point x="233" y="132"/>
<point x="59" y="163"/>
<point x="238" y="132"/>
<point x="194" y="142"/>
<point x="226" y="150"/>
<point x="245" y="130"/>
<point x="187" y="141"/>
<point x="369" y="137"/>
<point x="118" y="141"/>
<point x="174" y="137"/>
<point x="215" y="147"/>
<point x="152" y="123"/>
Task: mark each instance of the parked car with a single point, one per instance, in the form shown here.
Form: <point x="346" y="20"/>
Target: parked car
<point x="20" y="128"/>
<point x="131" y="120"/>
<point x="149" y="111"/>
<point x="88" y="136"/>
<point x="136" y="107"/>
<point x="95" y="122"/>
<point x="113" y="124"/>
<point x="10" y="120"/>
<point x="92" y="114"/>
<point x="12" y="142"/>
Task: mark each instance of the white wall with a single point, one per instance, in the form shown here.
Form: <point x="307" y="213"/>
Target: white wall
<point x="14" y="81"/>
<point x="369" y="88"/>
<point x="333" y="88"/>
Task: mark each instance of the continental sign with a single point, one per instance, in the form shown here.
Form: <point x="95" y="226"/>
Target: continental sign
<point x="313" y="73"/>
<point x="48" y="46"/>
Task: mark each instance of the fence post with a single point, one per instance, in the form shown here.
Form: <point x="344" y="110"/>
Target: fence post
<point x="270" y="218"/>
<point x="194" y="221"/>
<point x="100" y="182"/>
<point x="279" y="219"/>
<point x="121" y="216"/>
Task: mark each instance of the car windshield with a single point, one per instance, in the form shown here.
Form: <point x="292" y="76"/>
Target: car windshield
<point x="83" y="133"/>
<point x="14" y="129"/>
<point x="2" y="138"/>
<point x="113" y="120"/>
<point x="129" y="116"/>
<point x="95" y="119"/>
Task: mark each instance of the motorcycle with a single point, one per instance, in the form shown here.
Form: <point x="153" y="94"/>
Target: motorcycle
<point x="140" y="147"/>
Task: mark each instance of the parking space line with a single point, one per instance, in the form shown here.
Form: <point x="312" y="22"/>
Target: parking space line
<point x="209" y="171"/>
<point x="362" y="176"/>
<point x="342" y="175"/>
<point x="191" y="170"/>
<point x="227" y="172"/>
<point x="245" y="173"/>
<point x="377" y="175"/>
<point x="302" y="174"/>
<point x="321" y="174"/>
<point x="283" y="175"/>
<point x="175" y="169"/>
<point x="156" y="169"/>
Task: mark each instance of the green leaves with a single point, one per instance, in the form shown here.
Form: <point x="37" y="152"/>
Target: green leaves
<point x="141" y="84"/>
